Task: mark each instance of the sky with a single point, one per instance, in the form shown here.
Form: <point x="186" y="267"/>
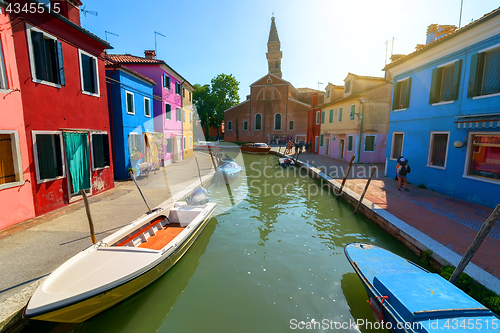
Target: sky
<point x="321" y="40"/>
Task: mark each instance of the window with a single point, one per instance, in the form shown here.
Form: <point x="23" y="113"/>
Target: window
<point x="169" y="145"/>
<point x="317" y="117"/>
<point x="190" y="97"/>
<point x="230" y="125"/>
<point x="321" y="140"/>
<point x="328" y="93"/>
<point x="46" y="58"/>
<point x="190" y="142"/>
<point x="168" y="111"/>
<point x="277" y="122"/>
<point x="183" y="92"/>
<point x="3" y="73"/>
<point x="11" y="171"/>
<point x="147" y="107"/>
<point x="184" y="139"/>
<point x="370" y="143"/>
<point x="290" y="125"/>
<point x="130" y="102"/>
<point x="401" y="96"/>
<point x="177" y="88"/>
<point x="100" y="150"/>
<point x="331" y="116"/>
<point x="445" y="82"/>
<point x="134" y="144"/>
<point x="438" y="149"/>
<point x="183" y="115"/>
<point x="89" y="73"/>
<point x="347" y="87"/>
<point x="166" y="81"/>
<point x="48" y="153"/>
<point x="178" y="114"/>
<point x="484" y="159"/>
<point x="353" y="112"/>
<point x="258" y="122"/>
<point x="484" y="77"/>
<point x="350" y="142"/>
<point x="245" y="125"/>
<point x="340" y="114"/>
<point x="322" y="117"/>
<point x="397" y="145"/>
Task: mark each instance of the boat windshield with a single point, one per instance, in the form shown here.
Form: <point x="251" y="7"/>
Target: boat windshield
<point x="230" y="165"/>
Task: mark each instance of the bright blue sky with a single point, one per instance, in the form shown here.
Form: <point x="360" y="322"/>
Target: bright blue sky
<point x="321" y="40"/>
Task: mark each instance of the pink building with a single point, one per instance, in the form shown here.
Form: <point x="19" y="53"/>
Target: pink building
<point x="167" y="111"/>
<point x="16" y="196"/>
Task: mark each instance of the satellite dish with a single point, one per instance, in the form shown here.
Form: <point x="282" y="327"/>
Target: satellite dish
<point x="85" y="12"/>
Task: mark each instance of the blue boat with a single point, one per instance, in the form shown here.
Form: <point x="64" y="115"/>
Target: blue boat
<point x="407" y="298"/>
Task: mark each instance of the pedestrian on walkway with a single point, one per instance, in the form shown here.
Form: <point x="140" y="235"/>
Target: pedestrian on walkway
<point x="402" y="169"/>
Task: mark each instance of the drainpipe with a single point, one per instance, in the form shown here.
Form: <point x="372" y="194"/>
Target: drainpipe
<point x="358" y="158"/>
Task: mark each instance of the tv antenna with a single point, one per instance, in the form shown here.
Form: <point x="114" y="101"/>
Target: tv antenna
<point x="157" y="33"/>
<point x="109" y="32"/>
<point x="85" y="12"/>
<point x="319" y="84"/>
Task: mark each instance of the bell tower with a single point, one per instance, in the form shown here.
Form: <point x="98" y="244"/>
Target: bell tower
<point x="274" y="53"/>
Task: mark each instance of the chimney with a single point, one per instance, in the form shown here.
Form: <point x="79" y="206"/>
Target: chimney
<point x="70" y="9"/>
<point x="431" y="33"/>
<point x="248" y="97"/>
<point x="150" y="54"/>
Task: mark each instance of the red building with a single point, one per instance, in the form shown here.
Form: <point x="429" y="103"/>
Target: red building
<point x="63" y="93"/>
<point x="313" y="123"/>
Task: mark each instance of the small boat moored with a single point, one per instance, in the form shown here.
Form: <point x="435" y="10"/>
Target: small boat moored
<point x="407" y="298"/>
<point x="255" y="148"/>
<point x="121" y="264"/>
<point x="286" y="161"/>
<point x="229" y="170"/>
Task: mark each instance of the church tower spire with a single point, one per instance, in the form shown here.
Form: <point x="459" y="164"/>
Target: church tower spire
<point x="274" y="53"/>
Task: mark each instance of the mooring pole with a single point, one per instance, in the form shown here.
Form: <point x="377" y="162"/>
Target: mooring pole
<point x="345" y="176"/>
<point x="279" y="150"/>
<point x="133" y="177"/>
<point x="364" y="191"/>
<point x="481" y="235"/>
<point x="89" y="217"/>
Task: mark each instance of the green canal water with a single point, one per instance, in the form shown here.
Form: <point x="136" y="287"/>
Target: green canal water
<point x="272" y="261"/>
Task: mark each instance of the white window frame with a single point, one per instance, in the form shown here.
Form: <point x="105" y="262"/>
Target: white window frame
<point x="149" y="99"/>
<point x="468" y="159"/>
<point x="318" y="117"/>
<point x="281" y="121"/>
<point x="16" y="157"/>
<point x="230" y="125"/>
<point x="96" y="94"/>
<point x="374" y="144"/>
<point x="347" y="143"/>
<point x="35" y="156"/>
<point x="429" y="156"/>
<point x="29" y="28"/>
<point x="245" y="122"/>
<point x="92" y="151"/>
<point x="126" y="102"/>
<point x="392" y="145"/>
<point x="255" y="122"/>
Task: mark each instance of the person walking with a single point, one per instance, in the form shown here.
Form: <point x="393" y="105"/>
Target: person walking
<point x="402" y="169"/>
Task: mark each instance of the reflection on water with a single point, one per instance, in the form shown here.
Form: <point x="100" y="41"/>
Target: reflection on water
<point x="267" y="263"/>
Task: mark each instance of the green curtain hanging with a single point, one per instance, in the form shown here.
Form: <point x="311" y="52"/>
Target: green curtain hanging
<point x="77" y="154"/>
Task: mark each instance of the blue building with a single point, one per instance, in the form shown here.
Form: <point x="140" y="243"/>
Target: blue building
<point x="130" y="98"/>
<point x="445" y="116"/>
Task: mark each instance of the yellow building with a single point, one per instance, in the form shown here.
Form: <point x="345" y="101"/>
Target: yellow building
<point x="187" y="118"/>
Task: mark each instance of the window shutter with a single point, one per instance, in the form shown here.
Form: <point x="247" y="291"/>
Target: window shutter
<point x="433" y="96"/>
<point x="331" y="116"/>
<point x="395" y="97"/>
<point x="322" y="117"/>
<point x="407" y="93"/>
<point x="93" y="66"/>
<point x="475" y="75"/>
<point x="164" y="80"/>
<point x="168" y="82"/>
<point x="86" y="72"/>
<point x="60" y="63"/>
<point x="479" y="74"/>
<point x="321" y="140"/>
<point x="455" y="86"/>
<point x="39" y="51"/>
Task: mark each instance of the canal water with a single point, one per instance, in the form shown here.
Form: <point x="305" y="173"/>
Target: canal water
<point x="272" y="263"/>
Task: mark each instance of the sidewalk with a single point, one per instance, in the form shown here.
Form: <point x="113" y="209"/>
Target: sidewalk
<point x="32" y="249"/>
<point x="451" y="222"/>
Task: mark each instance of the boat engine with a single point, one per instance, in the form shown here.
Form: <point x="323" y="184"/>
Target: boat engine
<point x="198" y="197"/>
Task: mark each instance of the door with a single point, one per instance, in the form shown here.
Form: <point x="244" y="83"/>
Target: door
<point x="316" y="144"/>
<point x="76" y="145"/>
<point x="341" y="148"/>
<point x="327" y="148"/>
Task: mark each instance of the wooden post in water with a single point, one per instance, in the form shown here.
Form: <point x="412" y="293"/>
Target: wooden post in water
<point x="89" y="217"/>
<point x="345" y="176"/>
<point x="279" y="150"/>
<point x="364" y="191"/>
<point x="133" y="177"/>
<point x="212" y="157"/>
<point x="481" y="235"/>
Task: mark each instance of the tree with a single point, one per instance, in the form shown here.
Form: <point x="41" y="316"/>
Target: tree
<point x="211" y="100"/>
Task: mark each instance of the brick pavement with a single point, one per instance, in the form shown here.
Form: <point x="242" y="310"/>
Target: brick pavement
<point x="452" y="222"/>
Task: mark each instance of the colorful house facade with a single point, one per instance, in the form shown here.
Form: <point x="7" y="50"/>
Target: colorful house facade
<point x="135" y="143"/>
<point x="63" y="92"/>
<point x="187" y="118"/>
<point x="168" y="106"/>
<point x="357" y="122"/>
<point x="16" y="195"/>
<point x="445" y="116"/>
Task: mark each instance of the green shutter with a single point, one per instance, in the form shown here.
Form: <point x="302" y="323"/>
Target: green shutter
<point x="60" y="63"/>
<point x="434" y="94"/>
<point x="475" y="75"/>
<point x="39" y="51"/>
<point x="407" y="93"/>
<point x="321" y="140"/>
<point x="331" y="116"/>
<point x="455" y="86"/>
<point x="322" y="117"/>
<point x="395" y="96"/>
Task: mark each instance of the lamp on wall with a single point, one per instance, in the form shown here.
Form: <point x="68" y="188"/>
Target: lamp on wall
<point x="460" y="144"/>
